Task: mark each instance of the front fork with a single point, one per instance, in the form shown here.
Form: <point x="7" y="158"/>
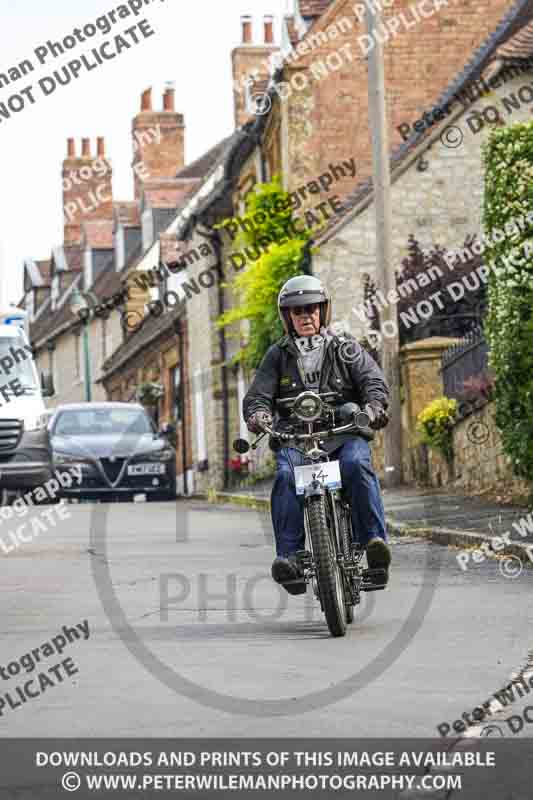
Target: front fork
<point x="347" y="554"/>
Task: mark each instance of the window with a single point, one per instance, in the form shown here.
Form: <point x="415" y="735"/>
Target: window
<point x="22" y="370"/>
<point x="55" y="291"/>
<point x="103" y="421"/>
<point x="176" y="394"/>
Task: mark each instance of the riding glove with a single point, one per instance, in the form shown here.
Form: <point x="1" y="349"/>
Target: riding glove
<point x="257" y="421"/>
<point x="378" y="416"/>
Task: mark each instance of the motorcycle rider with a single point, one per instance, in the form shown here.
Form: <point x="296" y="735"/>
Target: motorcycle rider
<point x="312" y="357"/>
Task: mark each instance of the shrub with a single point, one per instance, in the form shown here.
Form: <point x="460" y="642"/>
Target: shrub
<point x="508" y="161"/>
<point x="257" y="287"/>
<point x="424" y="274"/>
<point x="435" y="424"/>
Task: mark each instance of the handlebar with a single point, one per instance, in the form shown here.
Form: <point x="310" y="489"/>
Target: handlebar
<point x="358" y="422"/>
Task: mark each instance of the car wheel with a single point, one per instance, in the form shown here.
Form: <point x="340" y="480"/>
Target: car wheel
<point x="162" y="496"/>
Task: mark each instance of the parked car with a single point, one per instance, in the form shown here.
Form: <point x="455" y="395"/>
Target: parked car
<point x="118" y="448"/>
<point x="25" y="457"/>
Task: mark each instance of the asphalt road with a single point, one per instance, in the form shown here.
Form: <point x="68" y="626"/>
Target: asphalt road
<point x="188" y="636"/>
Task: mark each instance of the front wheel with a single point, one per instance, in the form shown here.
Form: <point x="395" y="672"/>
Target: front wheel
<point x="328" y="572"/>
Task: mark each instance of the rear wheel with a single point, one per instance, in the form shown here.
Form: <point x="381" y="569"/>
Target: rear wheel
<point x="329" y="577"/>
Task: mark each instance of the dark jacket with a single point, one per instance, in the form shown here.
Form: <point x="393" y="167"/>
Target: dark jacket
<point x="357" y="377"/>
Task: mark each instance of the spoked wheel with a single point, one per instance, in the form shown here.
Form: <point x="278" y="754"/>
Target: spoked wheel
<point x="346" y="538"/>
<point x="328" y="573"/>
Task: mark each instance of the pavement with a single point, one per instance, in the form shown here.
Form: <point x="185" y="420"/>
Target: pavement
<point x="443" y="517"/>
<point x="190" y="637"/>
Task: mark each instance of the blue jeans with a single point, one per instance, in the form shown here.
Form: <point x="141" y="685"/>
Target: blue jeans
<point x="359" y="481"/>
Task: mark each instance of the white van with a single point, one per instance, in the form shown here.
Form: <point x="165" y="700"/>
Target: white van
<point x="25" y="454"/>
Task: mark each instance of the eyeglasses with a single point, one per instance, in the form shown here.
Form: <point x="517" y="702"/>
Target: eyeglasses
<point x="300" y="310"/>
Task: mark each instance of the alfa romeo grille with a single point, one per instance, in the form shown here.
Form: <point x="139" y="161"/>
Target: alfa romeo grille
<point x="112" y="468"/>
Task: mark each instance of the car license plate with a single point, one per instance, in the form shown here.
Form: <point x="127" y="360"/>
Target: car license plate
<point x="146" y="469"/>
<point x="328" y="474"/>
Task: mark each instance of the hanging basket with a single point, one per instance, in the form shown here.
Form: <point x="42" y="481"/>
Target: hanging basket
<point x="149" y="394"/>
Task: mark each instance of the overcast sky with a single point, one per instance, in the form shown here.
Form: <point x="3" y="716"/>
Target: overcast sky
<point x="191" y="47"/>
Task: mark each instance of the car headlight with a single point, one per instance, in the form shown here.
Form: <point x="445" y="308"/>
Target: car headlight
<point x="36" y="423"/>
<point x="66" y="458"/>
<point x="167" y="454"/>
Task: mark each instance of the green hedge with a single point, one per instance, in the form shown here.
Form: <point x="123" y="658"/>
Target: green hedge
<point x="256" y="288"/>
<point x="508" y="224"/>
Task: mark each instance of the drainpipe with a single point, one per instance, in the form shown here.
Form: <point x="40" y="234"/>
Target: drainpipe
<point x="217" y="246"/>
<point x="223" y="355"/>
<point x="178" y="330"/>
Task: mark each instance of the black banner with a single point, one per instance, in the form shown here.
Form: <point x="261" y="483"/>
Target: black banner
<point x="490" y="768"/>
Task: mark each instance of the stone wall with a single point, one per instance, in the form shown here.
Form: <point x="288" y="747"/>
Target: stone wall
<point x="479" y="464"/>
<point x="437" y="196"/>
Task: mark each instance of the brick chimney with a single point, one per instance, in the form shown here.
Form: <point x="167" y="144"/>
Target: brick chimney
<point x="158" y="140"/>
<point x="251" y="60"/>
<point x="87" y="188"/>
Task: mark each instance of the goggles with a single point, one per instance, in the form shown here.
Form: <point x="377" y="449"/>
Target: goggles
<point x="310" y="309"/>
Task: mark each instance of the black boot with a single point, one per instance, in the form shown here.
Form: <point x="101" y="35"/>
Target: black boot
<point x="288" y="573"/>
<point x="378" y="554"/>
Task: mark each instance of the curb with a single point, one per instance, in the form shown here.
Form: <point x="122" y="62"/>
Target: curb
<point x="446" y="537"/>
<point x="246" y="500"/>
<point x="460" y="539"/>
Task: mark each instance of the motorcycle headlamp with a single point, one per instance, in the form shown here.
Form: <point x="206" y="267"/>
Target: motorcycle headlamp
<point x="308" y="406"/>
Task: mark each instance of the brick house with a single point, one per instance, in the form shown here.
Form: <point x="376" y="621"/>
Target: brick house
<point x="324" y="118"/>
<point x="437" y="196"/>
<point x="102" y="239"/>
<point x="426" y="173"/>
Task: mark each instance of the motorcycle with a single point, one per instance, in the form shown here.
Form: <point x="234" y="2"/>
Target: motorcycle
<point x="333" y="562"/>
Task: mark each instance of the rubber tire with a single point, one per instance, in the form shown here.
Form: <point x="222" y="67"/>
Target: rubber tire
<point x="326" y="568"/>
<point x="164" y="496"/>
<point x="7" y="497"/>
<point x="345" y="526"/>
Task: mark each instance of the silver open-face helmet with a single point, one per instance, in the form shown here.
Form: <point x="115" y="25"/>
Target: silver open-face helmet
<point x="301" y="291"/>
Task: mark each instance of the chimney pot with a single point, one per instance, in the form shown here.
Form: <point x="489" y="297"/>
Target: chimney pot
<point x="269" y="29"/>
<point x="100" y="146"/>
<point x="146" y="100"/>
<point x="71" y="148"/>
<point x="169" y="99"/>
<point x="246" y="22"/>
<point x="86" y="148"/>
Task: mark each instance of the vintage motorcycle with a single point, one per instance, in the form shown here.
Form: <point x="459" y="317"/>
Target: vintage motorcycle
<point x="333" y="562"/>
